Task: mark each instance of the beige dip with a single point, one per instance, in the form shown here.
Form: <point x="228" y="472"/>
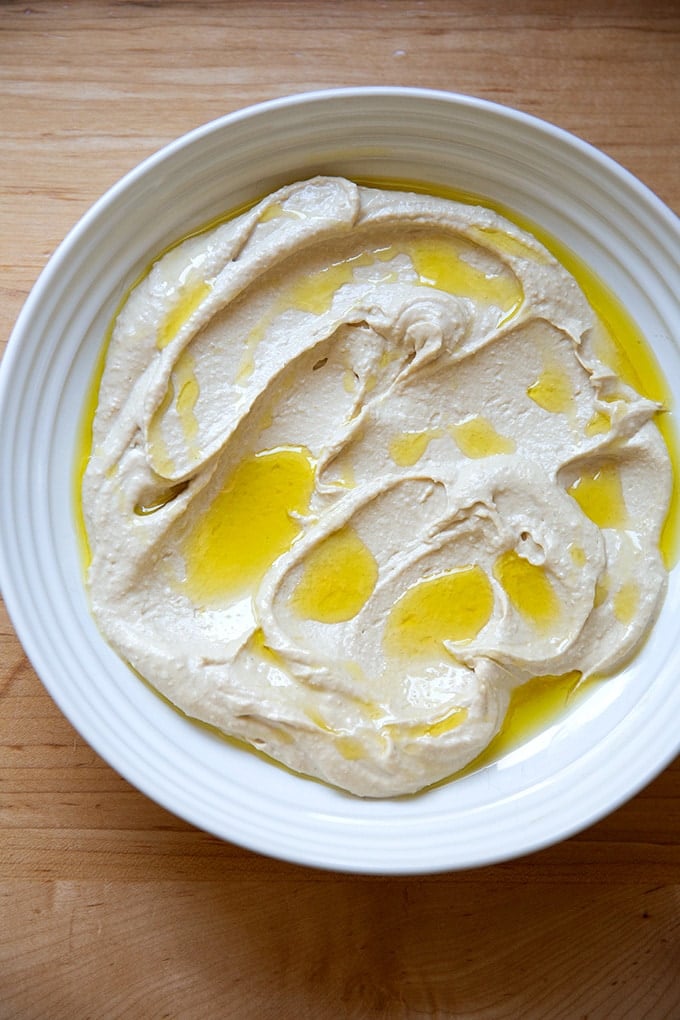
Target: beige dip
<point x="357" y="473"/>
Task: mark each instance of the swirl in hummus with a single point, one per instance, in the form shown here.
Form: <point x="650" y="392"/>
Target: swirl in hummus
<point x="357" y="473"/>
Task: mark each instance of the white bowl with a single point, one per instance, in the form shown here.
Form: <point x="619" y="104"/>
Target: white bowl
<point x="581" y="767"/>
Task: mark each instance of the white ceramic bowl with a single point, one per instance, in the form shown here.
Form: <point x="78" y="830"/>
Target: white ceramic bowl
<point x="580" y="768"/>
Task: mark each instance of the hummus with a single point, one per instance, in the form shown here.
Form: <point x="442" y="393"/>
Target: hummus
<point x="358" y="472"/>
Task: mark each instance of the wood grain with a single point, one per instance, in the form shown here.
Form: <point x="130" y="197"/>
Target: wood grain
<point x="109" y="906"/>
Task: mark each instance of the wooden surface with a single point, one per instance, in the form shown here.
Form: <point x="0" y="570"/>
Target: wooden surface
<point x="111" y="907"/>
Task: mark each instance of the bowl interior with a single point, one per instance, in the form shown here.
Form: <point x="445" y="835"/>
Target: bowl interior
<point x="583" y="765"/>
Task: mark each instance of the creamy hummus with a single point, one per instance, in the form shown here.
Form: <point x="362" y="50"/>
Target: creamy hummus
<point x="357" y="472"/>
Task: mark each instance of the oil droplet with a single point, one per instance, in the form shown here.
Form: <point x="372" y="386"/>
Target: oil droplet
<point x="349" y="381"/>
<point x="158" y="450"/>
<point x="407" y="448"/>
<point x="614" y="397"/>
<point x="257" y="644"/>
<point x="451" y="721"/>
<point x="439" y="264"/>
<point x="278" y="733"/>
<point x="190" y="298"/>
<point x="266" y="421"/>
<point x="315" y="293"/>
<point x="183" y="393"/>
<point x="626" y="601"/>
<point x="578" y="555"/>
<point x="599" y="423"/>
<point x="477" y="438"/>
<point x="350" y="748"/>
<point x="254" y="337"/>
<point x="144" y="509"/>
<point x="601" y="591"/>
<point x="600" y="496"/>
<point x="249" y="524"/>
<point x="453" y="606"/>
<point x="339" y="576"/>
<point x="346" y="477"/>
<point x="552" y="391"/>
<point x="272" y="212"/>
<point x="370" y="709"/>
<point x="187" y="389"/>
<point x="276" y="210"/>
<point x="315" y="716"/>
<point x="509" y="245"/>
<point x="528" y="588"/>
<point x="387" y="357"/>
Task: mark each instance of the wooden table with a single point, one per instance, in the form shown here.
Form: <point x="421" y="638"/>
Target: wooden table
<point x="111" y="907"/>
